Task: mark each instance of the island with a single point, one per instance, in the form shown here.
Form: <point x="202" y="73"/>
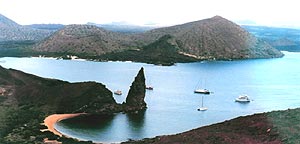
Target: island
<point x="213" y="38"/>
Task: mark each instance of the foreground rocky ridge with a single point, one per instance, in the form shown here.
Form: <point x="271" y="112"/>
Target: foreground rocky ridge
<point x="25" y="100"/>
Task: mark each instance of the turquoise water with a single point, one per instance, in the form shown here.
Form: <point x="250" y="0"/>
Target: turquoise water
<point x="272" y="84"/>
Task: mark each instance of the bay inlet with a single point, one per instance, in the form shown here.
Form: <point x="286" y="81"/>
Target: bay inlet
<point x="272" y="84"/>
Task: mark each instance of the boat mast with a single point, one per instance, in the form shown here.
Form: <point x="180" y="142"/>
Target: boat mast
<point x="202" y="102"/>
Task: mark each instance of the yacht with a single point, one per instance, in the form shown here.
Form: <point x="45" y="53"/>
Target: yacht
<point x="202" y="91"/>
<point x="243" y="98"/>
<point x="118" y="92"/>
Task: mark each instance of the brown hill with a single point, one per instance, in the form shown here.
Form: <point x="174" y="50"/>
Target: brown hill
<point x="213" y="38"/>
<point x="216" y="38"/>
<point x="84" y="39"/>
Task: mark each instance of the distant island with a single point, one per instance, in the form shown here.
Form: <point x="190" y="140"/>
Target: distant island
<point x="285" y="39"/>
<point x="215" y="38"/>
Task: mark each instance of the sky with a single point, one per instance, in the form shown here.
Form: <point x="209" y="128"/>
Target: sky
<point x="280" y="13"/>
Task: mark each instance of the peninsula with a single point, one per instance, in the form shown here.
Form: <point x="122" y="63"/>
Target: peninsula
<point x="26" y="100"/>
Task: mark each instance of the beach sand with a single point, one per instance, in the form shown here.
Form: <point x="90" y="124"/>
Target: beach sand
<point x="50" y="121"/>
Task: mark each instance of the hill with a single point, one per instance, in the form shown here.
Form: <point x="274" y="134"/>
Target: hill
<point x="84" y="40"/>
<point x="164" y="51"/>
<point x="11" y="31"/>
<point x="213" y="38"/>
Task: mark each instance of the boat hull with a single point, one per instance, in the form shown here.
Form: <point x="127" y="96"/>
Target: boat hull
<point x="118" y="92"/>
<point x="201" y="92"/>
<point x="202" y="109"/>
<point x="242" y="101"/>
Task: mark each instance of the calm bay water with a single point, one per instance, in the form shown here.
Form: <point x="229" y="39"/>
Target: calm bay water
<point x="272" y="84"/>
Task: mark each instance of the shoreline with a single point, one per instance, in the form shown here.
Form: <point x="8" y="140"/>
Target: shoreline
<point x="51" y="120"/>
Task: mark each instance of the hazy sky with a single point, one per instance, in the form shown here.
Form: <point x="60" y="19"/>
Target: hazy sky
<point x="162" y="12"/>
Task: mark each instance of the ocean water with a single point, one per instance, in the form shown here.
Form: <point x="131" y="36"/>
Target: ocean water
<point x="272" y="84"/>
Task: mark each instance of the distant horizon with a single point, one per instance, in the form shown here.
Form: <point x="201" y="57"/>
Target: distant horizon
<point x="241" y="23"/>
<point x="275" y="13"/>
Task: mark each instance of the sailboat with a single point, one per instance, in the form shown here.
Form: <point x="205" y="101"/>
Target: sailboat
<point x="201" y="91"/>
<point x="202" y="108"/>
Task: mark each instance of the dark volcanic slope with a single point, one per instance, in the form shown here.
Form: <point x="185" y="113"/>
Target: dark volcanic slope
<point x="11" y="31"/>
<point x="54" y="96"/>
<point x="84" y="39"/>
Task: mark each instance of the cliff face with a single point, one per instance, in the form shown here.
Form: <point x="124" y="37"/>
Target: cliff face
<point x="136" y="95"/>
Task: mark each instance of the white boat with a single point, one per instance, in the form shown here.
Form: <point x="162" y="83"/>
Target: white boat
<point x="202" y="91"/>
<point x="118" y="92"/>
<point x="202" y="108"/>
<point x="243" y="98"/>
